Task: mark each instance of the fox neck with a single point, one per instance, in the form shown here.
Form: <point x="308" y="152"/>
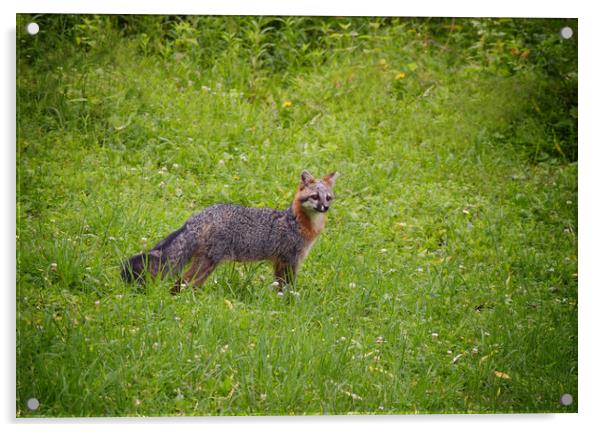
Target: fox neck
<point x="311" y="224"/>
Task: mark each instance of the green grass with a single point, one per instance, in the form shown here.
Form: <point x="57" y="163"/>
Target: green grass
<point x="449" y="258"/>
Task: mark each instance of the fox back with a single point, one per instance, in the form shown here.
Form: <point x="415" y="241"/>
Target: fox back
<point x="232" y="232"/>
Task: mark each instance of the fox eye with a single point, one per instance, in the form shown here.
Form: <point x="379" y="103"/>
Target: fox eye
<point x="315" y="196"/>
<point x="328" y="197"/>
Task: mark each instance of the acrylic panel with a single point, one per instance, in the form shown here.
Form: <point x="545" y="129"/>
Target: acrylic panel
<point x="443" y="281"/>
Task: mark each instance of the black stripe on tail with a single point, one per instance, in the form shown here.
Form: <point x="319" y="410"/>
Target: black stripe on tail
<point x="167" y="240"/>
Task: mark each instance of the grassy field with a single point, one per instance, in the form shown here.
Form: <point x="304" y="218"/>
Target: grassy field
<point x="445" y="280"/>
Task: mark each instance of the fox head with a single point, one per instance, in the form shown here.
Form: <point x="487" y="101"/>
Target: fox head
<point x="315" y="194"/>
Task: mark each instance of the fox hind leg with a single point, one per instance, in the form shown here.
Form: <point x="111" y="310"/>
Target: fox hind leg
<point x="198" y="273"/>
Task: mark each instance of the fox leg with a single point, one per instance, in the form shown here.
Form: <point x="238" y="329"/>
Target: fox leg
<point x="284" y="273"/>
<point x="199" y="271"/>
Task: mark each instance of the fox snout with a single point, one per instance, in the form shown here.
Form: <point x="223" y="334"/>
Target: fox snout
<point x="321" y="208"/>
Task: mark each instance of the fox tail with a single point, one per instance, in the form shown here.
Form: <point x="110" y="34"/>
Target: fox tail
<point x="170" y="255"/>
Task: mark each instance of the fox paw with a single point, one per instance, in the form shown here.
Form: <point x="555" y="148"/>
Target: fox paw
<point x="178" y="287"/>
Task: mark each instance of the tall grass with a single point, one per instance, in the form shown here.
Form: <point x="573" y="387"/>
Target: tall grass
<point x="446" y="278"/>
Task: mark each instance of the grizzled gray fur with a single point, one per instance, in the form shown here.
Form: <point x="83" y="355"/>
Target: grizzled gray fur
<point x="230" y="232"/>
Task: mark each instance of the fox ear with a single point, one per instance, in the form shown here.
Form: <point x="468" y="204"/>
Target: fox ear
<point x="306" y="177"/>
<point x="330" y="178"/>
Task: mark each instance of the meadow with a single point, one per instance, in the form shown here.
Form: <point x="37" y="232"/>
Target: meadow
<point x="445" y="280"/>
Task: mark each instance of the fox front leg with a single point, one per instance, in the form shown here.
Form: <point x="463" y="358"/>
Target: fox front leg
<point x="284" y="273"/>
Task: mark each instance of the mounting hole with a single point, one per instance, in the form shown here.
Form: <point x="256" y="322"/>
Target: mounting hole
<point x="566" y="32"/>
<point x="566" y="399"/>
<point x="33" y="404"/>
<point x="32" y="28"/>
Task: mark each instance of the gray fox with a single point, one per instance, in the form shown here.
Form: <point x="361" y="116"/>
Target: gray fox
<point x="230" y="232"/>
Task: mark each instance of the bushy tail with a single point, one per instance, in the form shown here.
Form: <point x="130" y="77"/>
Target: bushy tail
<point x="169" y="255"/>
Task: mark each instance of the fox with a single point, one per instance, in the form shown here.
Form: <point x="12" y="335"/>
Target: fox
<point x="229" y="232"/>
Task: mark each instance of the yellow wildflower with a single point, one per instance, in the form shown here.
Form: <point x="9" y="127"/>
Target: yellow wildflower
<point x="501" y="375"/>
<point x="400" y="75"/>
<point x="287" y="104"/>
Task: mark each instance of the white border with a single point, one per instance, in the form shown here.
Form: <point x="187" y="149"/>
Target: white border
<point x="456" y="8"/>
<point x="589" y="214"/>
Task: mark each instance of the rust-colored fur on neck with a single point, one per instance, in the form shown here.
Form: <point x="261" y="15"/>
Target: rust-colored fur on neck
<point x="310" y="227"/>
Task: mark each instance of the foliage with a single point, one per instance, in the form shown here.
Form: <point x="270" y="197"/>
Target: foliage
<point x="446" y="279"/>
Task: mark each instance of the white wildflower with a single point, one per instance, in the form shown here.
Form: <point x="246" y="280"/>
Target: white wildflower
<point x="456" y="358"/>
<point x="352" y="395"/>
